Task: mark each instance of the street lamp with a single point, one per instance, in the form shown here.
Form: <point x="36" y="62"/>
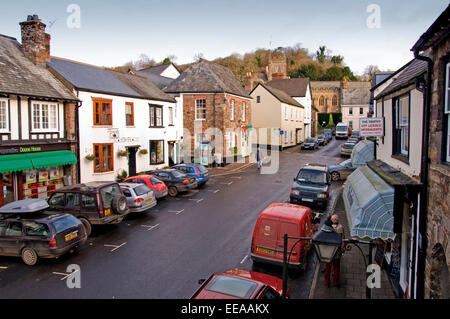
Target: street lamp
<point x="326" y="244"/>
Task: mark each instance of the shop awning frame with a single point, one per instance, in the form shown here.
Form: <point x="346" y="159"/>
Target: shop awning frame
<point x="29" y="161"/>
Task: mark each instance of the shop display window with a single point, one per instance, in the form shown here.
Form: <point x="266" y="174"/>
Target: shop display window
<point x="41" y="183"/>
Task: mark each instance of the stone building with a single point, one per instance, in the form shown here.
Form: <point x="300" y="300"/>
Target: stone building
<point x="276" y="69"/>
<point x="216" y="113"/>
<point x="326" y="96"/>
<point x="434" y="48"/>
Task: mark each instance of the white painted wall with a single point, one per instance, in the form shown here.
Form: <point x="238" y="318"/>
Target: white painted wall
<point x="171" y="72"/>
<point x="347" y="117"/>
<point x="306" y="101"/>
<point x="384" y="150"/>
<point x="139" y="134"/>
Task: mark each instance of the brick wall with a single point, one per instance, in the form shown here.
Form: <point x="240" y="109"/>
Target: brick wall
<point x="438" y="223"/>
<point x="35" y="42"/>
<point x="71" y="135"/>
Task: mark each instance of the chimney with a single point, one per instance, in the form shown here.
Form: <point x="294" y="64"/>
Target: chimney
<point x="35" y="42"/>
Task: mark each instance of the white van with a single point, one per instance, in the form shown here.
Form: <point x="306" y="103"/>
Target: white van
<point x="341" y="131"/>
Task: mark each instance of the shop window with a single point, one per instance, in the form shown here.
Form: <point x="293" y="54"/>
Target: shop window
<point x="156" y="152"/>
<point x="4" y="112"/>
<point x="7" y="193"/>
<point x="103" y="158"/>
<point x="44" y="117"/>
<point x="156" y="116"/>
<point x="42" y="182"/>
<point x="102" y="111"/>
<point x="401" y="126"/>
<point x="129" y="113"/>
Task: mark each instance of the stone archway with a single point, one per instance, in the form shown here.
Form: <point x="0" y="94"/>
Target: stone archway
<point x="439" y="274"/>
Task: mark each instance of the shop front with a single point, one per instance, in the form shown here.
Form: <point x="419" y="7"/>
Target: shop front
<point x="33" y="171"/>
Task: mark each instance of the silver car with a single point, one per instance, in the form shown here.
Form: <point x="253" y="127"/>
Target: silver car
<point x="139" y="196"/>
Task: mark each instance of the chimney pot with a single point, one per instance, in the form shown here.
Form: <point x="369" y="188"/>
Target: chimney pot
<point x="35" y="42"/>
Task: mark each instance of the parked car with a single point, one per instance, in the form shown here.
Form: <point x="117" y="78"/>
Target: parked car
<point x="333" y="131"/>
<point x="347" y="149"/>
<point x="341" y="171"/>
<point x="155" y="184"/>
<point x="356" y="134"/>
<point x="198" y="171"/>
<point x="353" y="140"/>
<point x="29" y="231"/>
<point x="175" y="180"/>
<point x="275" y="221"/>
<point x="310" y="144"/>
<point x="93" y="203"/>
<point x="311" y="186"/>
<point x="322" y="140"/>
<point x="328" y="134"/>
<point x="240" y="284"/>
<point x="139" y="197"/>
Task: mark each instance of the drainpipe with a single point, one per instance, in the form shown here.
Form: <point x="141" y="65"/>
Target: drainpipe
<point x="420" y="235"/>
<point x="77" y="130"/>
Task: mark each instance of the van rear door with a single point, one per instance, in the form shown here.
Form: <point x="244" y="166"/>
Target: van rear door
<point x="292" y="228"/>
<point x="266" y="237"/>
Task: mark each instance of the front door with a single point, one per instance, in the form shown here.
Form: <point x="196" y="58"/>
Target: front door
<point x="171" y="154"/>
<point x="132" y="161"/>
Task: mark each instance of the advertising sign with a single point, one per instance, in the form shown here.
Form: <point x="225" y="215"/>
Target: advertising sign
<point x="371" y="126"/>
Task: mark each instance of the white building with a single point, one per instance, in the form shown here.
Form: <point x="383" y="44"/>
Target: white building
<point x="300" y="90"/>
<point x="126" y="122"/>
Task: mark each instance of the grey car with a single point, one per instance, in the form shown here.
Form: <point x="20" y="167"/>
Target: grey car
<point x="347" y="149"/>
<point x="310" y="144"/>
<point x="139" y="196"/>
<point x="342" y="170"/>
<point x="30" y="231"/>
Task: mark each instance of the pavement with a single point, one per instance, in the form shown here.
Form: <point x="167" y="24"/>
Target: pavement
<point x="352" y="275"/>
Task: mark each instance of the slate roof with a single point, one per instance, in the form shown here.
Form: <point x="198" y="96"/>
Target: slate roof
<point x="280" y="95"/>
<point x="160" y="81"/>
<point x="405" y="78"/>
<point x="294" y="87"/>
<point x="156" y="69"/>
<point x="207" y="77"/>
<point x="440" y="29"/>
<point x="356" y="93"/>
<point x="19" y="75"/>
<point x="96" y="79"/>
<point x="325" y="84"/>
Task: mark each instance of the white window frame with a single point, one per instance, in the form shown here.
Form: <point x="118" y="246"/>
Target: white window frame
<point x="170" y="115"/>
<point x="286" y="114"/>
<point x="4" y="102"/>
<point x="243" y="111"/>
<point x="232" y="110"/>
<point x="197" y="107"/>
<point x="50" y="128"/>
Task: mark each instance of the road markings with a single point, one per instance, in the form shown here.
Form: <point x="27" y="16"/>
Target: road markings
<point x="65" y="275"/>
<point x="243" y="260"/>
<point x="115" y="246"/>
<point x="197" y="200"/>
<point x="237" y="177"/>
<point x="215" y="192"/>
<point x="176" y="211"/>
<point x="150" y="227"/>
<point x="227" y="183"/>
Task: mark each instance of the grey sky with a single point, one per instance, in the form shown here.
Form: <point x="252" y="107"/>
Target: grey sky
<point x="114" y="32"/>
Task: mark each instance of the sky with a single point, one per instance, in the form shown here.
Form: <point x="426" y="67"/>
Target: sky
<point x="114" y="32"/>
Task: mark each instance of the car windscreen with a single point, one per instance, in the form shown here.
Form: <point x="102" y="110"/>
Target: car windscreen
<point x="310" y="140"/>
<point x="341" y="128"/>
<point x="178" y="174"/>
<point x="202" y="169"/>
<point x="236" y="287"/>
<point x="312" y="176"/>
<point x="155" y="181"/>
<point x="141" y="190"/>
<point x="348" y="146"/>
<point x="346" y="163"/>
<point x="64" y="223"/>
<point x="108" y="193"/>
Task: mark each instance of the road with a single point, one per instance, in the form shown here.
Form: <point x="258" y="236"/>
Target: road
<point x="162" y="253"/>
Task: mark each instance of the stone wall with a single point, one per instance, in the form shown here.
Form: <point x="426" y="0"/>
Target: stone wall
<point x="438" y="223"/>
<point x="35" y="42"/>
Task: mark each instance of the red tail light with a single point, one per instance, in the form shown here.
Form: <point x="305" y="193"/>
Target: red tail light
<point x="52" y="243"/>
<point x="185" y="181"/>
<point x="138" y="200"/>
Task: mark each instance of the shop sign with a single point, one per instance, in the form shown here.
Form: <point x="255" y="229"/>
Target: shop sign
<point x="43" y="176"/>
<point x="54" y="173"/>
<point x="371" y="126"/>
<point x="30" y="177"/>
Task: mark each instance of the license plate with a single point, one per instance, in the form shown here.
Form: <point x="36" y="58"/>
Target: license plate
<point x="265" y="251"/>
<point x="206" y="174"/>
<point x="71" y="236"/>
<point x="307" y="200"/>
<point x="165" y="193"/>
<point x="107" y="212"/>
<point x="148" y="200"/>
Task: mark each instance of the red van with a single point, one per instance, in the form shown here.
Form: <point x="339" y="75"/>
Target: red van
<point x="268" y="236"/>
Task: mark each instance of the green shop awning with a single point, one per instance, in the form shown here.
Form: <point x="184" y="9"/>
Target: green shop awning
<point x="22" y="162"/>
<point x="15" y="163"/>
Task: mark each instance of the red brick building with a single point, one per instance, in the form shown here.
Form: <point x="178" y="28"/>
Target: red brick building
<point x="216" y="113"/>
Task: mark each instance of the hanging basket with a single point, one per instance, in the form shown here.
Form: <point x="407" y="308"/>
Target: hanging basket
<point x="90" y="157"/>
<point x="143" y="151"/>
<point x="122" y="153"/>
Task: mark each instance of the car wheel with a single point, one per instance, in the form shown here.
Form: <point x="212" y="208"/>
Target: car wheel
<point x="119" y="204"/>
<point x="29" y="256"/>
<point x="87" y="226"/>
<point x="335" y="176"/>
<point x="173" y="191"/>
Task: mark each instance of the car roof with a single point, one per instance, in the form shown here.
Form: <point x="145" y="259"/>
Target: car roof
<point x="286" y="210"/>
<point x="85" y="187"/>
<point x="318" y="167"/>
<point x="141" y="176"/>
<point x="130" y="185"/>
<point x="24" y="206"/>
<point x="256" y="281"/>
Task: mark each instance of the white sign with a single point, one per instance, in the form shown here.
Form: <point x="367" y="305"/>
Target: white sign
<point x="371" y="126"/>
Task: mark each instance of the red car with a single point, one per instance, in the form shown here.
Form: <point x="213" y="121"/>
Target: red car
<point x="155" y="184"/>
<point x="240" y="284"/>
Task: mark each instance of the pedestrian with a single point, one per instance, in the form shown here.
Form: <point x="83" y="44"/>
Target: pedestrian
<point x="258" y="157"/>
<point x="333" y="221"/>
